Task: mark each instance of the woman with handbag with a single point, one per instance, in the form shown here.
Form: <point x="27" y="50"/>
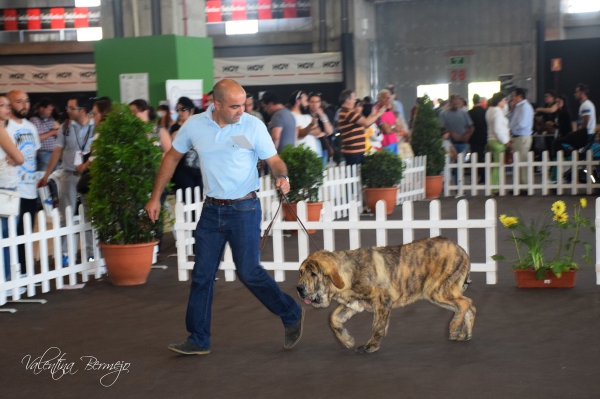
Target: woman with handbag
<point x="10" y="157"/>
<point x="498" y="132"/>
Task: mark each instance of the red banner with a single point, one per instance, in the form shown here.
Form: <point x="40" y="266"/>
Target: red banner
<point x="57" y="18"/>
<point x="239" y="10"/>
<point x="289" y="9"/>
<point x="48" y="18"/>
<point x="10" y="19"/>
<point x="264" y="9"/>
<point x="80" y="17"/>
<point x="213" y="11"/>
<point x="34" y="19"/>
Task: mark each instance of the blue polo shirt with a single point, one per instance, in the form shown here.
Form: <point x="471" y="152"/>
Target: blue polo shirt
<point x="228" y="169"/>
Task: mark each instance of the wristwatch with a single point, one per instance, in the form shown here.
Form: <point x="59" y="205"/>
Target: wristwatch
<point x="285" y="177"/>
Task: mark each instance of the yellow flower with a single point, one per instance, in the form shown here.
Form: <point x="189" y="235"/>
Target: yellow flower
<point x="508" y="221"/>
<point x="583" y="202"/>
<point x="559" y="207"/>
<point x="561" y="218"/>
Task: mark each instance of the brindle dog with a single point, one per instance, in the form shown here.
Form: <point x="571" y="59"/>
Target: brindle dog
<point x="379" y="279"/>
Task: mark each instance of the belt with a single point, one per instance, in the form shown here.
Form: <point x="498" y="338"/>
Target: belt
<point x="211" y="200"/>
<point x="71" y="172"/>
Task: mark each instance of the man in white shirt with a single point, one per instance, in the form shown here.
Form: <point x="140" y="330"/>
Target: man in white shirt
<point x="586" y="123"/>
<point x="25" y="136"/>
<point x="587" y="111"/>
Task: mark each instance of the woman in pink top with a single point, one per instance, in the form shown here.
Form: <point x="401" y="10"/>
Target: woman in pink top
<point x="387" y="122"/>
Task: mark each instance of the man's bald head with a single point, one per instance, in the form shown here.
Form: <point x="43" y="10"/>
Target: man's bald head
<point x="19" y="103"/>
<point x="226" y="87"/>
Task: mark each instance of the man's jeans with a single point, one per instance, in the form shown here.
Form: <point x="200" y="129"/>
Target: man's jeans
<point x="239" y="224"/>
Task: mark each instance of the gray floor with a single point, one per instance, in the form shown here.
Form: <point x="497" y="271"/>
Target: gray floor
<point x="526" y="343"/>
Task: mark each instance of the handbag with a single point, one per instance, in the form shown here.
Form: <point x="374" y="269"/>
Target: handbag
<point x="10" y="203"/>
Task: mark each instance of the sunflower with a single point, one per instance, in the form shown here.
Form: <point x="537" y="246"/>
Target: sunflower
<point x="583" y="202"/>
<point x="561" y="218"/>
<point x="508" y="221"/>
<point x="559" y="207"/>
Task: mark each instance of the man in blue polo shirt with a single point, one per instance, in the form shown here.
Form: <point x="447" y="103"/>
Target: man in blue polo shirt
<point x="229" y="143"/>
<point x="521" y="127"/>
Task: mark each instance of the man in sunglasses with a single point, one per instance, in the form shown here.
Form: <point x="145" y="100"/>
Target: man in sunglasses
<point x="73" y="141"/>
<point x="229" y="143"/>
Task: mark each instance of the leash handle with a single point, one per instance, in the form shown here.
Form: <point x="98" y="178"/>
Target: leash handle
<point x="263" y="240"/>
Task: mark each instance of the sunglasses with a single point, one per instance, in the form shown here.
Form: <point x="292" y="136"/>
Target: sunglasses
<point x="182" y="109"/>
<point x="314" y="94"/>
<point x="300" y="92"/>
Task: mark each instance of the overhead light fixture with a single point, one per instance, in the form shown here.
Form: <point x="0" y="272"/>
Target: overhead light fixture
<point x="89" y="34"/>
<point x="87" y="3"/>
<point x="248" y="27"/>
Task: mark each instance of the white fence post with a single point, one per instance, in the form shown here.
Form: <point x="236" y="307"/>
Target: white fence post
<point x="491" y="242"/>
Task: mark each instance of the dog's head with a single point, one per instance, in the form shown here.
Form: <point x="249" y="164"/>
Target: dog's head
<point x="319" y="279"/>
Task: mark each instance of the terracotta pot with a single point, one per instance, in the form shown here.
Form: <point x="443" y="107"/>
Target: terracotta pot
<point x="313" y="210"/>
<point x="526" y="279"/>
<point x="128" y="264"/>
<point x="388" y="194"/>
<point x="433" y="186"/>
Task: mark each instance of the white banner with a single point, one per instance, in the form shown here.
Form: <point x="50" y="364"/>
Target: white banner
<point x="48" y="78"/>
<point x="190" y="88"/>
<point x="134" y="86"/>
<point x="281" y="69"/>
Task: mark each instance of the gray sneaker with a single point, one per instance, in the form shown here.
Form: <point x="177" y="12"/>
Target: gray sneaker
<point x="187" y="348"/>
<point x="293" y="333"/>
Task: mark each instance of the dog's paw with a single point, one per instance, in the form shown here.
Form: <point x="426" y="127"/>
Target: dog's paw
<point x="367" y="348"/>
<point x="454" y="335"/>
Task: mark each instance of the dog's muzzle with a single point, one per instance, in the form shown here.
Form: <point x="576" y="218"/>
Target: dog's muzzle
<point x="302" y="294"/>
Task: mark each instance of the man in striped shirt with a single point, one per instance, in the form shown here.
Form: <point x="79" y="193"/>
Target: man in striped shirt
<point x="352" y="126"/>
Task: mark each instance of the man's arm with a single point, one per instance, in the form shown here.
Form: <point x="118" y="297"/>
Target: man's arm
<point x="48" y="134"/>
<point x="54" y="158"/>
<point x="167" y="167"/>
<point x="276" y="135"/>
<point x="368" y="121"/>
<point x="468" y="133"/>
<point x="585" y="119"/>
<point x="278" y="168"/>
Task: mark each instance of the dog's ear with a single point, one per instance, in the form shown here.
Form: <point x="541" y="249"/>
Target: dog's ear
<point x="328" y="263"/>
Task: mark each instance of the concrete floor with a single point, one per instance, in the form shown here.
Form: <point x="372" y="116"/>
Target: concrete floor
<point x="526" y="343"/>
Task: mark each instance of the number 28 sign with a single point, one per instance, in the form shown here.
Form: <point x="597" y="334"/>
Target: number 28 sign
<point x="458" y="75"/>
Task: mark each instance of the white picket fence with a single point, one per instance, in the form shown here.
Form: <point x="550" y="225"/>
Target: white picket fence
<point x="468" y="184"/>
<point x="353" y="225"/>
<point x="39" y="280"/>
<point x="341" y="187"/>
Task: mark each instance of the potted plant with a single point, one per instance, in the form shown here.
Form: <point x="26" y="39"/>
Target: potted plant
<point x="426" y="140"/>
<point x="380" y="174"/>
<point x="305" y="171"/>
<point x="125" y="164"/>
<point x="533" y="267"/>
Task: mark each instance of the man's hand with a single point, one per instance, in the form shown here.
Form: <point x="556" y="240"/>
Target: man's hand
<point x="282" y="185"/>
<point x="153" y="209"/>
<point x="43" y="182"/>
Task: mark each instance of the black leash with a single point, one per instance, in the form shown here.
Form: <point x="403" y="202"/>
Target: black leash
<point x="263" y="239"/>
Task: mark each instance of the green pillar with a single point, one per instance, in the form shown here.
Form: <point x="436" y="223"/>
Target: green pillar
<point x="161" y="57"/>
